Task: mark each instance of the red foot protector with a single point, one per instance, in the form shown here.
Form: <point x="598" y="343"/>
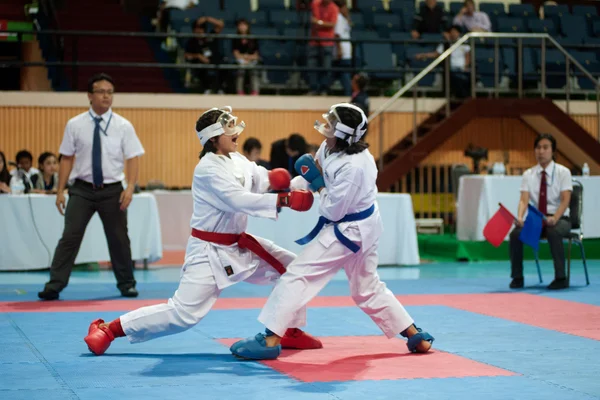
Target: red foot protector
<point x="357" y="358"/>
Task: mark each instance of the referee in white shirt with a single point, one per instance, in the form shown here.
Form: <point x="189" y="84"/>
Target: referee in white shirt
<point x="95" y="147"/>
<point x="548" y="187"/>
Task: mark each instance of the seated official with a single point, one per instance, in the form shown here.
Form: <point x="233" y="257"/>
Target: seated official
<point x="46" y="181"/>
<point x="548" y="187"/>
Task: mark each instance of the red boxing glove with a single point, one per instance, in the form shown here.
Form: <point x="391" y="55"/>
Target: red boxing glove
<point x="299" y="200"/>
<point x="279" y="179"/>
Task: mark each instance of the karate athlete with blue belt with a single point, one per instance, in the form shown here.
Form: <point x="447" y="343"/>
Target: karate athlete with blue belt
<point x="226" y="189"/>
<point x="346" y="236"/>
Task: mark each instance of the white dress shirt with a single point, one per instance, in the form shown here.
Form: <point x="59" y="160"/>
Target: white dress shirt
<point x="118" y="140"/>
<point x="181" y="4"/>
<point x="558" y="179"/>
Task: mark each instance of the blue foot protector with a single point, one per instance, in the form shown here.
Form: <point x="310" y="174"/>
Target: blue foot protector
<point x="255" y="348"/>
<point x="416" y="339"/>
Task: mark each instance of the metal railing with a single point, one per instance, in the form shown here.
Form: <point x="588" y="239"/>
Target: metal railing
<point x="445" y="57"/>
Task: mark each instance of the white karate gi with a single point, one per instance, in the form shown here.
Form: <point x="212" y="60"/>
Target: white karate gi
<point x="225" y="191"/>
<point x="350" y="187"/>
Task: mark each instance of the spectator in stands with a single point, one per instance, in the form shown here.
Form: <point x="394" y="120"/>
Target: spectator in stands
<point x="285" y="152"/>
<point x="471" y="20"/>
<point x="320" y="53"/>
<point x="360" y="97"/>
<point x="24" y="162"/>
<point x="431" y="19"/>
<point x="46" y="181"/>
<point x="460" y="60"/>
<point x="252" y="149"/>
<point x="165" y="7"/>
<point x="246" y="53"/>
<point x="202" y="50"/>
<point x="548" y="187"/>
<point x="343" y="50"/>
<point x="4" y="175"/>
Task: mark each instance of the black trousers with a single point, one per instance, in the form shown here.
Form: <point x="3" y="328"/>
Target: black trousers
<point x="554" y="235"/>
<point x="84" y="201"/>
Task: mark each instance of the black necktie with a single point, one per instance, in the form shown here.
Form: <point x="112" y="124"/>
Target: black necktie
<point x="97" y="155"/>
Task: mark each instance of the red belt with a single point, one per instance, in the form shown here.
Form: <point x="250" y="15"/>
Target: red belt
<point x="243" y="240"/>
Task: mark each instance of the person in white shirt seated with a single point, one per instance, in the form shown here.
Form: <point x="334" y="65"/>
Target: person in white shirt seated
<point x="471" y="20"/>
<point x="25" y="163"/>
<point x="460" y="61"/>
<point x="548" y="187"/>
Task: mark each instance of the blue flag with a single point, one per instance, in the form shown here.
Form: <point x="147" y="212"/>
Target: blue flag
<point x="532" y="228"/>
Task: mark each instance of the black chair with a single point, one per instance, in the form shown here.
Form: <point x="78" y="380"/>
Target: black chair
<point x="576" y="234"/>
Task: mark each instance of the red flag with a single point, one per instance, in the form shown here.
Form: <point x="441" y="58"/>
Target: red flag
<point x="498" y="226"/>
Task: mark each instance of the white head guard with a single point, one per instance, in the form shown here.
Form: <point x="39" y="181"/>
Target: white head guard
<point x="225" y="125"/>
<point x="334" y="127"/>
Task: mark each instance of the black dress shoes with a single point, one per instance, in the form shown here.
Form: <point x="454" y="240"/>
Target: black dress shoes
<point x="48" y="295"/>
<point x="517" y="283"/>
<point x="558" y="284"/>
<point x="130" y="292"/>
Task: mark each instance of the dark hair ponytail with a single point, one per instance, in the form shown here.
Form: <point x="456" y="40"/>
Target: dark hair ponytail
<point x="353" y="119"/>
<point x="207" y="119"/>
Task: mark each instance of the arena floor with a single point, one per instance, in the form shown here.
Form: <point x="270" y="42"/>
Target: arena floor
<point x="491" y="343"/>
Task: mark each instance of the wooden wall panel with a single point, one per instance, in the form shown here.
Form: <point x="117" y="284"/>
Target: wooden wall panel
<point x="508" y="140"/>
<point x="169" y="137"/>
<point x="172" y="147"/>
<point x="589" y="123"/>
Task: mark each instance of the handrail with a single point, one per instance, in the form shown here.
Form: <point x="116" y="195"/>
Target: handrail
<point x="459" y="43"/>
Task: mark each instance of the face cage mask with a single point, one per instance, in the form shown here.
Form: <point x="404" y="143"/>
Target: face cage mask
<point x="333" y="127"/>
<point x="226" y="125"/>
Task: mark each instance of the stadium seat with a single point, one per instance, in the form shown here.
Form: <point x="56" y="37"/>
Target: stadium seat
<point x="278" y="55"/>
<point x="241" y="8"/>
<point x="485" y="66"/>
<point x="522" y="11"/>
<point x="455" y="7"/>
<point x="589" y="61"/>
<point x="399" y="49"/>
<point x="588" y="12"/>
<point x="357" y="21"/>
<point x="574" y="27"/>
<point x="542" y="26"/>
<point x="379" y="55"/>
<point x="282" y="19"/>
<point x="271" y="5"/>
<point x="555" y="13"/>
<point x="258" y="19"/>
<point x="494" y="11"/>
<point x="387" y="23"/>
<point x="555" y="67"/>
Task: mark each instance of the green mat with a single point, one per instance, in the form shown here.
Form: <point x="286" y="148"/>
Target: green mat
<point x="448" y="248"/>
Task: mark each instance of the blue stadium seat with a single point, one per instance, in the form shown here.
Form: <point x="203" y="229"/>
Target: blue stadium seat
<point x="279" y="56"/>
<point x="379" y="55"/>
<point x="226" y="45"/>
<point x="574" y="27"/>
<point x="588" y="12"/>
<point x="555" y="63"/>
<point x="270" y="5"/>
<point x="555" y="13"/>
<point x="282" y="19"/>
<point x="542" y="26"/>
<point x="485" y="65"/>
<point x="494" y="11"/>
<point x="228" y="17"/>
<point x="509" y="57"/>
<point x="589" y="61"/>
<point x="265" y="31"/>
<point x="596" y="28"/>
<point x="387" y="23"/>
<point x="417" y="66"/>
<point x="455" y="7"/>
<point x="209" y="7"/>
<point x="241" y="8"/>
<point x="402" y="6"/>
<point x="258" y="19"/>
<point x="511" y="25"/>
<point x="357" y="21"/>
<point x="370" y="6"/>
<point x="522" y="11"/>
<point x="399" y="48"/>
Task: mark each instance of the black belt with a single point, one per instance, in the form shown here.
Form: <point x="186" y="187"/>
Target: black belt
<point x="94" y="187"/>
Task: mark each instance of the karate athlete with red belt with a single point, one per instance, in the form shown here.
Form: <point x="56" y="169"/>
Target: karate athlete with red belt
<point x="226" y="189"/>
<point x="346" y="236"/>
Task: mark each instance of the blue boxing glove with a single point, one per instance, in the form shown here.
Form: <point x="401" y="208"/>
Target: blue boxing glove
<point x="307" y="167"/>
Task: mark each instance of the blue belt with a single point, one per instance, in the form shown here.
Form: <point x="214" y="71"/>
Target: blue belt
<point x="343" y="239"/>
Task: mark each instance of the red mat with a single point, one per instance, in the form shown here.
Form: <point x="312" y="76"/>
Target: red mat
<point x="559" y="315"/>
<point x="357" y="358"/>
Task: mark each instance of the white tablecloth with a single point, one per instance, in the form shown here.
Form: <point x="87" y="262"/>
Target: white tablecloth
<point x="398" y="245"/>
<point x="31" y="226"/>
<point x="479" y="196"/>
